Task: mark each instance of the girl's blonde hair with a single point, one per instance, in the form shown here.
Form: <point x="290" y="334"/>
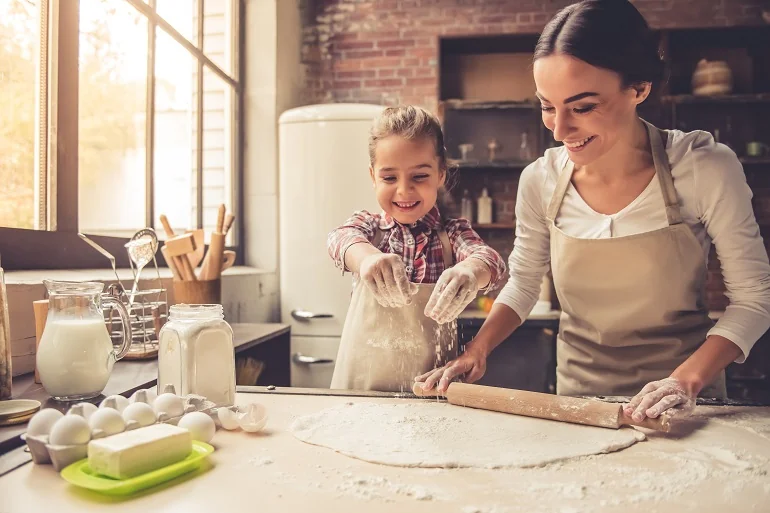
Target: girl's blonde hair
<point x="411" y="123"/>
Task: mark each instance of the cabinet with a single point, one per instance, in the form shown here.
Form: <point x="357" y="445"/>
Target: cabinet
<point x="525" y="361"/>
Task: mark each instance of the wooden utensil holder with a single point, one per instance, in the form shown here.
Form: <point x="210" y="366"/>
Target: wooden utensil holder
<point x="199" y="292"/>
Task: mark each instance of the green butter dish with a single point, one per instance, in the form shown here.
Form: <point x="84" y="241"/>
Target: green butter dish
<point x="81" y="475"/>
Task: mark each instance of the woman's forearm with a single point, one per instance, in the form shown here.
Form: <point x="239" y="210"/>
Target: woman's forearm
<point x="500" y="323"/>
<point x="706" y="363"/>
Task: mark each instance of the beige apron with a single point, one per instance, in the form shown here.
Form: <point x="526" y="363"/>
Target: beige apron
<point x="386" y="348"/>
<point x="632" y="307"/>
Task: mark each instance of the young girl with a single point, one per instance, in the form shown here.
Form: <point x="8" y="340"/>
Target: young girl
<point x="414" y="272"/>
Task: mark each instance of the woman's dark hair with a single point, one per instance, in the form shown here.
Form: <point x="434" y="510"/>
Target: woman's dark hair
<point x="609" y="34"/>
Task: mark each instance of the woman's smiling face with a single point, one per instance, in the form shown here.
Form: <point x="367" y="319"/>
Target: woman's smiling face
<point x="586" y="107"/>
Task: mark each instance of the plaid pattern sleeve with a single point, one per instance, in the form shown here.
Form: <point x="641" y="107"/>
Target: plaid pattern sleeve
<point x="360" y="227"/>
<point x="466" y="243"/>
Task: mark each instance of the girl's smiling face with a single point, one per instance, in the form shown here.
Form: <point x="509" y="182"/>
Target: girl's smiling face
<point x="586" y="107"/>
<point x="407" y="176"/>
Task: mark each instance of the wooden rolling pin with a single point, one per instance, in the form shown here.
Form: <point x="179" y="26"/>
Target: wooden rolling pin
<point x="543" y="406"/>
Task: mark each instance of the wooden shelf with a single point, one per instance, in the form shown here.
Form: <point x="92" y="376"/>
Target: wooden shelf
<point x="494" y="226"/>
<point x="497" y="164"/>
<point x="487" y="105"/>
<point x="755" y="160"/>
<point x="722" y="99"/>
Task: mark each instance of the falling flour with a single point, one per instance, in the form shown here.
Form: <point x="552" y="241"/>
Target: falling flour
<point x="447" y="436"/>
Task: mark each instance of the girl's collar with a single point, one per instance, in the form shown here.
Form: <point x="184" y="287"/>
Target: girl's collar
<point x="431" y="221"/>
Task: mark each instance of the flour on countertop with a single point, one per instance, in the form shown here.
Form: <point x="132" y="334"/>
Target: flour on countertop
<point x="380" y="488"/>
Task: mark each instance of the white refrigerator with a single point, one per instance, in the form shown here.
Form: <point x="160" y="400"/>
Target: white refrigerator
<point x="324" y="178"/>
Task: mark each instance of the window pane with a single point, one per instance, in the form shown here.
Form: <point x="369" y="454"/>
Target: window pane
<point x="217" y="148"/>
<point x="112" y="112"/>
<point x="218" y="33"/>
<point x="181" y="15"/>
<point x="175" y="142"/>
<point x="19" y="41"/>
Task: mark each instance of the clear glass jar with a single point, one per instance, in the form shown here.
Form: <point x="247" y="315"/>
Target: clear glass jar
<point x="196" y="353"/>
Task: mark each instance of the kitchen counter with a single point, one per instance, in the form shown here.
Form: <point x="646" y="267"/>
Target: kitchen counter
<point x="718" y="461"/>
<point x="129" y="376"/>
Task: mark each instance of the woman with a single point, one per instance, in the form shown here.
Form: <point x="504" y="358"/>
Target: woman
<point x="625" y="214"/>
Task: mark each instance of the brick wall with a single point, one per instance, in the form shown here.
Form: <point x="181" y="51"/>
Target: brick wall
<point x="386" y="52"/>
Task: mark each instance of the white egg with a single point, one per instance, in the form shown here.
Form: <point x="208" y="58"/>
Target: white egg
<point x="227" y="418"/>
<point x="170" y="404"/>
<point x="42" y="422"/>
<point x="140" y="412"/>
<point x="200" y="425"/>
<point x="70" y="430"/>
<point x="253" y="419"/>
<point x="85" y="410"/>
<point x="117" y="402"/>
<point x="108" y="420"/>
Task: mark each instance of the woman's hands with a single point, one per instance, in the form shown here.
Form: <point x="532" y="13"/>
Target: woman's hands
<point x="659" y="396"/>
<point x="472" y="364"/>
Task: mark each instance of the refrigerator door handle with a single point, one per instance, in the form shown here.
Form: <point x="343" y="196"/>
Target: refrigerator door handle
<point x="301" y="359"/>
<point x="304" y="315"/>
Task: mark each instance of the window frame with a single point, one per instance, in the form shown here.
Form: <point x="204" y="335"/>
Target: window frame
<point x="54" y="243"/>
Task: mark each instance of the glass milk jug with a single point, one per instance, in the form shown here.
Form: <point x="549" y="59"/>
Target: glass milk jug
<point x="196" y="353"/>
<point x="76" y="355"/>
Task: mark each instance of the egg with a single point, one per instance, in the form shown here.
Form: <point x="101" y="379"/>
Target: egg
<point x="117" y="402"/>
<point x="200" y="425"/>
<point x="108" y="421"/>
<point x="227" y="418"/>
<point x="42" y="422"/>
<point x="85" y="410"/>
<point x="170" y="404"/>
<point x="253" y="419"/>
<point x="70" y="430"/>
<point x="140" y="412"/>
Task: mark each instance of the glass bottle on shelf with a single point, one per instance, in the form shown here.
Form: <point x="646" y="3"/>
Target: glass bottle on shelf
<point x="525" y="151"/>
<point x="466" y="206"/>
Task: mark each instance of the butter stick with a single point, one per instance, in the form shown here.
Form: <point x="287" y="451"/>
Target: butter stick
<point x="139" y="451"/>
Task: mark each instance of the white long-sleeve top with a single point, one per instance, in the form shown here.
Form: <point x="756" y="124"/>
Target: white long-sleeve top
<point x="715" y="203"/>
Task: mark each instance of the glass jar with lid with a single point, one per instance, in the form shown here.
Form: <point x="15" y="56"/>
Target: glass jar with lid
<point x="196" y="353"/>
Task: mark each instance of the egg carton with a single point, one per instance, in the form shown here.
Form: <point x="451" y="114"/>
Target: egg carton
<point x="61" y="456"/>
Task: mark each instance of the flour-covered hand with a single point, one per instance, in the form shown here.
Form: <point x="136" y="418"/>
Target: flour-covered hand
<point x="455" y="289"/>
<point x="470" y="366"/>
<point x="385" y="275"/>
<point x="659" y="396"/>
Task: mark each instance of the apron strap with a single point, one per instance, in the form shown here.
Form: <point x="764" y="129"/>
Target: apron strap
<point x="561" y="189"/>
<point x="658" y="139"/>
<point x="378" y="236"/>
<point x="446" y="248"/>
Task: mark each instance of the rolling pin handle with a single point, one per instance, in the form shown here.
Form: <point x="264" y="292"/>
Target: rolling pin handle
<point x="662" y="423"/>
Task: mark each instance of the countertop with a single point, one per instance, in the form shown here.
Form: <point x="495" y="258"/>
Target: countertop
<point x="718" y="461"/>
<point x="127" y="376"/>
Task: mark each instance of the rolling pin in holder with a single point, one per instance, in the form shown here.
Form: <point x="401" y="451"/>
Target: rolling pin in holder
<point x="589" y="412"/>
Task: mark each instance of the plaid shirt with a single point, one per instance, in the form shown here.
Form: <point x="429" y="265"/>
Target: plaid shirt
<point x="418" y="244"/>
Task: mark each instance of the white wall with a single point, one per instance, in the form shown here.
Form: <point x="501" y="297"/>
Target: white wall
<point x="272" y="85"/>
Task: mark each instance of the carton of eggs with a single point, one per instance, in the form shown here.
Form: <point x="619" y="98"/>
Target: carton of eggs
<point x="59" y="439"/>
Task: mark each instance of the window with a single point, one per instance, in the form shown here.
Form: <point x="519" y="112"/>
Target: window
<point x="18" y="53"/>
<point x="147" y="91"/>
